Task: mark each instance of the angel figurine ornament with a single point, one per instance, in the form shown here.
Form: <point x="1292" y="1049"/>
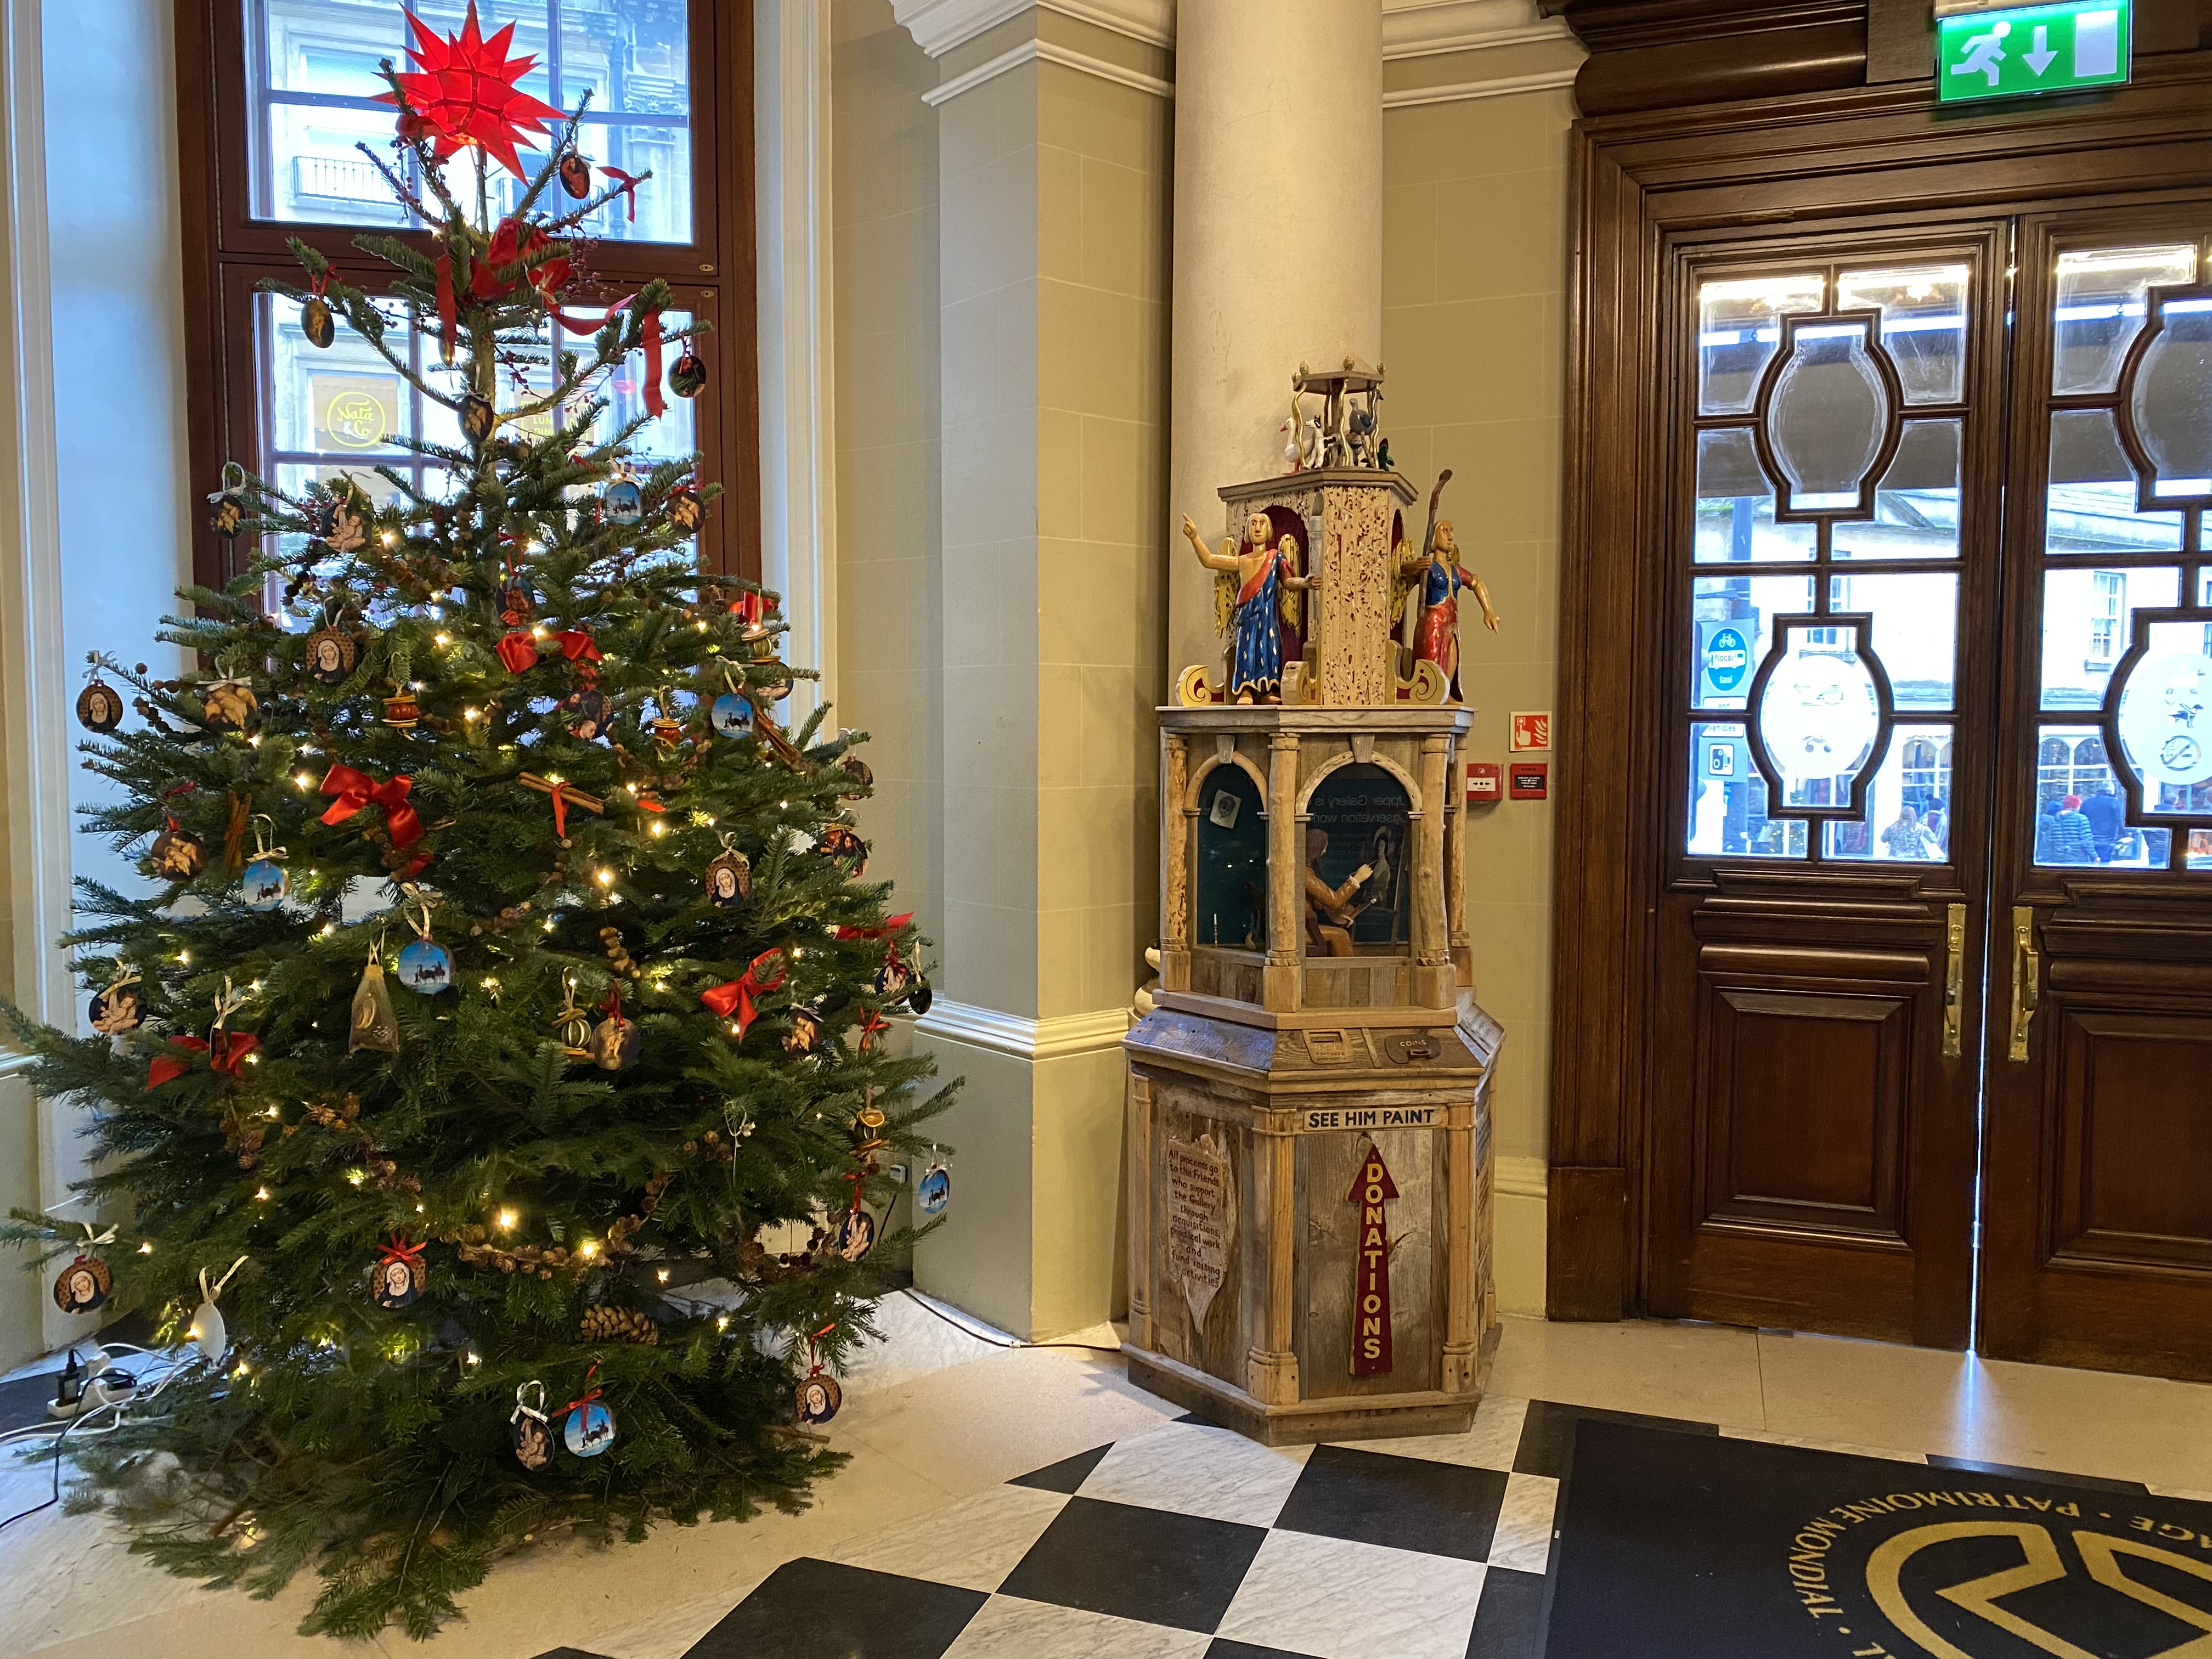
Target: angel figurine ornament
<point x="1261" y="571"/>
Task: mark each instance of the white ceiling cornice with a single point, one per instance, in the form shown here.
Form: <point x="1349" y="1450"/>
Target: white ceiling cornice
<point x="937" y="26"/>
<point x="1422" y="28"/>
<point x="1411" y="29"/>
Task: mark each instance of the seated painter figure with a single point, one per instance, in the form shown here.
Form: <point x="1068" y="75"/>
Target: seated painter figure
<point x="1329" y="910"/>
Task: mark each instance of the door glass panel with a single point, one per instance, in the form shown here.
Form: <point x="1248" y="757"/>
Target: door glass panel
<point x="2165" y="718"/>
<point x="2101" y="294"/>
<point x="1819" y="715"/>
<point x="2070" y="766"/>
<point x="2087" y="622"/>
<point x="1735" y="506"/>
<point x="1828" y="415"/>
<point x="1916" y="630"/>
<point x="1923" y="325"/>
<point x="1734" y="620"/>
<point x="1728" y="801"/>
<point x="2091" y="507"/>
<point x="1737" y="336"/>
<point x="2200" y="849"/>
<point x="1908" y="803"/>
<point x="1916" y="508"/>
<point x="2172" y="400"/>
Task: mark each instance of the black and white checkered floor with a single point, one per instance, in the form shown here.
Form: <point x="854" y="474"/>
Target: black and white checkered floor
<point x="1191" y="1541"/>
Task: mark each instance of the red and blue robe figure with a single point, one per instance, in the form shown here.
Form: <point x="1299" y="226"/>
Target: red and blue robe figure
<point x="1443" y="578"/>
<point x="1257" y="666"/>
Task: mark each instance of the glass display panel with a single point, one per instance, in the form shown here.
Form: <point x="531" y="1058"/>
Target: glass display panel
<point x="312" y="84"/>
<point x="1908" y="803"/>
<point x="1819" y="714"/>
<point x="1232" y="861"/>
<point x="1736" y="506"/>
<point x="2171" y="401"/>
<point x="1827" y="419"/>
<point x="1915" y="507"/>
<point x="1923" y="325"/>
<point x="2070" y="767"/>
<point x="2101" y="294"/>
<point x="1357" y="820"/>
<point x="2091" y="504"/>
<point x="1916" y="631"/>
<point x="2200" y="850"/>
<point x="1726" y="813"/>
<point x="2165" y="718"/>
<point x="2088" y="620"/>
<point x="1738" y="335"/>
<point x="1733" y="619"/>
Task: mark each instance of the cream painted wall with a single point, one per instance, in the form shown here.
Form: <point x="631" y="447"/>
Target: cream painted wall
<point x="890" y="620"/>
<point x="1473" y="316"/>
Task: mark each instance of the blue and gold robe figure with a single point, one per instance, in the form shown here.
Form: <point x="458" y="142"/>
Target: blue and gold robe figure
<point x="1262" y="573"/>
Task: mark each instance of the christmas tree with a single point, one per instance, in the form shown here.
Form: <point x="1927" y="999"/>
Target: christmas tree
<point x="477" y="1258"/>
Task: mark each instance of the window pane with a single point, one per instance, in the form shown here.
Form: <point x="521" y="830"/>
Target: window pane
<point x="2087" y="627"/>
<point x="1733" y="618"/>
<point x="2101" y="309"/>
<point x="2092" y="504"/>
<point x="1923" y="325"/>
<point x="1736" y="506"/>
<point x="1908" y="803"/>
<point x="313" y="83"/>
<point x="1828" y="415"/>
<point x="1737" y="334"/>
<point x="1726" y="816"/>
<point x="1916" y="631"/>
<point x="1916" y="508"/>
<point x="2070" y="766"/>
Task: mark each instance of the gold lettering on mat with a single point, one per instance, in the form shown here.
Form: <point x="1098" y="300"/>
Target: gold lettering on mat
<point x="1201" y="1219"/>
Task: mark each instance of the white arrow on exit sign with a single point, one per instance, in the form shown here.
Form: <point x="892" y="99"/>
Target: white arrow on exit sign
<point x="2042" y="58"/>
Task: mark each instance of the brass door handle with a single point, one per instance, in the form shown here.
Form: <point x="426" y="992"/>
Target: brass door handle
<point x="1954" y="973"/>
<point x="2027" y="977"/>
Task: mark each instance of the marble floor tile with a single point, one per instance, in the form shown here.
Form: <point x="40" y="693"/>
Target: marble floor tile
<point x="973" y="1543"/>
<point x="1508" y="1619"/>
<point x="810" y="1609"/>
<point x="1833" y="1390"/>
<point x="1150" y="1564"/>
<point x="977" y="1425"/>
<point x="1400" y="1502"/>
<point x="1009" y="1627"/>
<point x="1491" y="1443"/>
<point x="1338" y="1600"/>
<point x="1705" y="1373"/>
<point x="1195" y="1468"/>
<point x="1522" y="1539"/>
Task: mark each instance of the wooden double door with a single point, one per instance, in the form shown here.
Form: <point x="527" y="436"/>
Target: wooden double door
<point x="1929" y="1049"/>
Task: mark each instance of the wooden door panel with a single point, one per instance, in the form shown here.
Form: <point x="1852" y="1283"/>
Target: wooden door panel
<point x="1806" y="1109"/>
<point x="2097" y="1220"/>
<point x="2134" y="1141"/>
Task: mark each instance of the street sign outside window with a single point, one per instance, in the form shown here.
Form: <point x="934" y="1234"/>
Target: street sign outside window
<point x="2031" y="49"/>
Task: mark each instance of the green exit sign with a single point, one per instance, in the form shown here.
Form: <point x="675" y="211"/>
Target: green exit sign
<point x="2029" y="49"/>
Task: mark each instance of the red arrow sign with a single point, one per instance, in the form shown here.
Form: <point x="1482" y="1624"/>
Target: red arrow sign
<point x="1370" y="1299"/>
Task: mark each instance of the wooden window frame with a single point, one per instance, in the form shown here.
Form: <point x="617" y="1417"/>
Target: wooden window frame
<point x="226" y="251"/>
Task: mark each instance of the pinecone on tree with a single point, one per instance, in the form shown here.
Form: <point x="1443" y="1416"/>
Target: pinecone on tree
<point x="604" y="1323"/>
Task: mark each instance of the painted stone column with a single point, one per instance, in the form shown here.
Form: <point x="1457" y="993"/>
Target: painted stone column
<point x="1278" y="244"/>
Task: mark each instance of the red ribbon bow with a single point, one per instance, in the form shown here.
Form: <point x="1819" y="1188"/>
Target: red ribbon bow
<point x="518" y="651"/>
<point x="356" y="790"/>
<point x="751" y="609"/>
<point x="226" y="1054"/>
<point x="870" y="1025"/>
<point x="589" y="1394"/>
<point x="738" y="994"/>
<point x="510" y="243"/>
<point x="400" y="1250"/>
<point x="630" y="181"/>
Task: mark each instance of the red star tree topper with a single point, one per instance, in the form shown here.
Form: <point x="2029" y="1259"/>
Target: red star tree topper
<point x="463" y="91"/>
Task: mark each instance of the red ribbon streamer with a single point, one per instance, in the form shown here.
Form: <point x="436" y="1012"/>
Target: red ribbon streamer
<point x="655" y="401"/>
<point x="884" y="932"/>
<point x="559" y="792"/>
<point x="445" y="309"/>
<point x="356" y="790"/>
<point x="630" y="181"/>
<point x="738" y="994"/>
